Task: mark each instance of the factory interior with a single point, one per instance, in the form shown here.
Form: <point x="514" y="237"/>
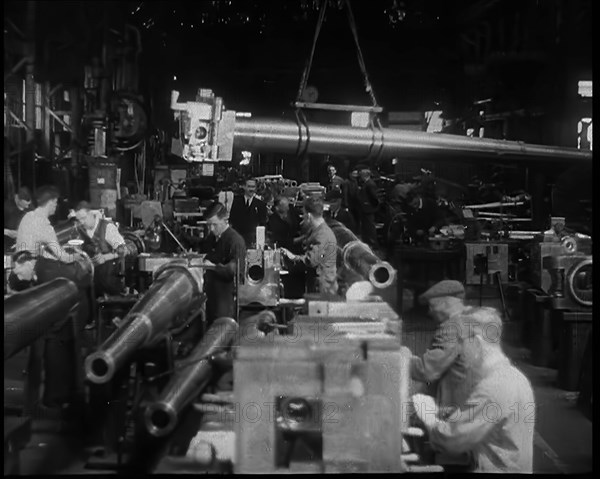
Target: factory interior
<point x="297" y="236"/>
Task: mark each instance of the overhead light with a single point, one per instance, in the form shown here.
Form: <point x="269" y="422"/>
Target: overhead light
<point x="246" y="157"/>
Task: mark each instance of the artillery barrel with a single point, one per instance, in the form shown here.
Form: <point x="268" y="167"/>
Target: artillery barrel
<point x="172" y="293"/>
<point x="160" y="417"/>
<point x="31" y="314"/>
<point x="358" y="257"/>
<point x="297" y="137"/>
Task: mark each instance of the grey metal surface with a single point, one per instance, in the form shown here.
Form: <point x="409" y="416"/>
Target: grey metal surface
<point x="172" y="293"/>
<point x="358" y="257"/>
<point x="160" y="417"/>
<point x="285" y="136"/>
<point x="31" y="314"/>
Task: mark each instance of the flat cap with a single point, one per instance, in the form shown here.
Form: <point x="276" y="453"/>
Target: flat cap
<point x="446" y="287"/>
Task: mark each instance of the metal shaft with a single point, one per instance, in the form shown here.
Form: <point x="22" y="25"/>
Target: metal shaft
<point x="31" y="314"/>
<point x="187" y="383"/>
<point x="285" y="136"/>
<point x="358" y="257"/>
<point x="171" y="294"/>
<point x="257" y="326"/>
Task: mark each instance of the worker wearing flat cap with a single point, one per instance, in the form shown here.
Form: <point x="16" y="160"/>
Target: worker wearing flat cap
<point x="444" y="360"/>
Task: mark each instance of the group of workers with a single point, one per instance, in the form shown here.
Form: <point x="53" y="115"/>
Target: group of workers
<point x="482" y="418"/>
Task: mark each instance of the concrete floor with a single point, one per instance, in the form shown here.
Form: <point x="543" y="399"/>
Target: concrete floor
<point x="563" y="440"/>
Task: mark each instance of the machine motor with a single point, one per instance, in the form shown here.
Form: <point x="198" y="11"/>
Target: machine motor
<point x="562" y="267"/>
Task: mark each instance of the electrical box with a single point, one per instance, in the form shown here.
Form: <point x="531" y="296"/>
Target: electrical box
<point x="487" y="258"/>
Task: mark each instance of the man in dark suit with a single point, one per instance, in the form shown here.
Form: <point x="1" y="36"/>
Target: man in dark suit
<point x="335" y="181"/>
<point x="337" y="211"/>
<point x="368" y="203"/>
<point x="248" y="212"/>
<point x="284" y="231"/>
<point x="424" y="217"/>
<point x="227" y="256"/>
<point x="284" y="226"/>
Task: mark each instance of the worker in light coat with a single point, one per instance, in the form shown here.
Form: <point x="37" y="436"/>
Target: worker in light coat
<point x="495" y="424"/>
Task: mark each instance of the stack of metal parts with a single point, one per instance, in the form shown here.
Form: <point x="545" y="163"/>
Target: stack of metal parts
<point x="330" y="396"/>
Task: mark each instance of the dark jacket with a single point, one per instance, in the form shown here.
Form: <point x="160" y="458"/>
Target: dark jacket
<point x="368" y="201"/>
<point x="283" y="231"/>
<point x="424" y="218"/>
<point x="227" y="253"/>
<point x="245" y="219"/>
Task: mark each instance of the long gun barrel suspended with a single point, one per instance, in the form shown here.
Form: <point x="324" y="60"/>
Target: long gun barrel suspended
<point x="358" y="257"/>
<point x="212" y="133"/>
<point x="160" y="417"/>
<point x="172" y="293"/>
<point x="285" y="136"/>
<point x="31" y="314"/>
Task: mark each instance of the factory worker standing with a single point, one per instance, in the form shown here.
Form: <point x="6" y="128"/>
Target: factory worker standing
<point x="227" y="255"/>
<point x="321" y="252"/>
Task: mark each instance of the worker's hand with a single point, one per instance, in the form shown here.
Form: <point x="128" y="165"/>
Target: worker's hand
<point x="288" y="254"/>
<point x="420" y="233"/>
<point x="207" y="262"/>
<point x="425" y="408"/>
<point x="432" y="230"/>
<point x="99" y="259"/>
<point x="10" y="233"/>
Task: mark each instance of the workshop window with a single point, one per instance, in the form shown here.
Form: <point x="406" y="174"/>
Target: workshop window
<point x="434" y="120"/>
<point x="584" y="88"/>
<point x="39" y="105"/>
<point x="584" y="134"/>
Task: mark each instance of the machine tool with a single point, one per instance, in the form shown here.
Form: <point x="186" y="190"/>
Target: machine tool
<point x="261" y="283"/>
<point x="562" y="268"/>
<point x="329" y="396"/>
<point x="144" y="376"/>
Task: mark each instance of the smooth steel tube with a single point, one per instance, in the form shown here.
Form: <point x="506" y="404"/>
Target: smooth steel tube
<point x="285" y="136"/>
<point x="160" y="417"/>
<point x="171" y="294"/>
<point x="32" y="313"/>
<point x="358" y="257"/>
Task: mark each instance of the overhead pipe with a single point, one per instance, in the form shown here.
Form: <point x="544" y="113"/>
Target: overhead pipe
<point x="160" y="417"/>
<point x="358" y="257"/>
<point x="173" y="292"/>
<point x="286" y="136"/>
<point x="32" y="313"/>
